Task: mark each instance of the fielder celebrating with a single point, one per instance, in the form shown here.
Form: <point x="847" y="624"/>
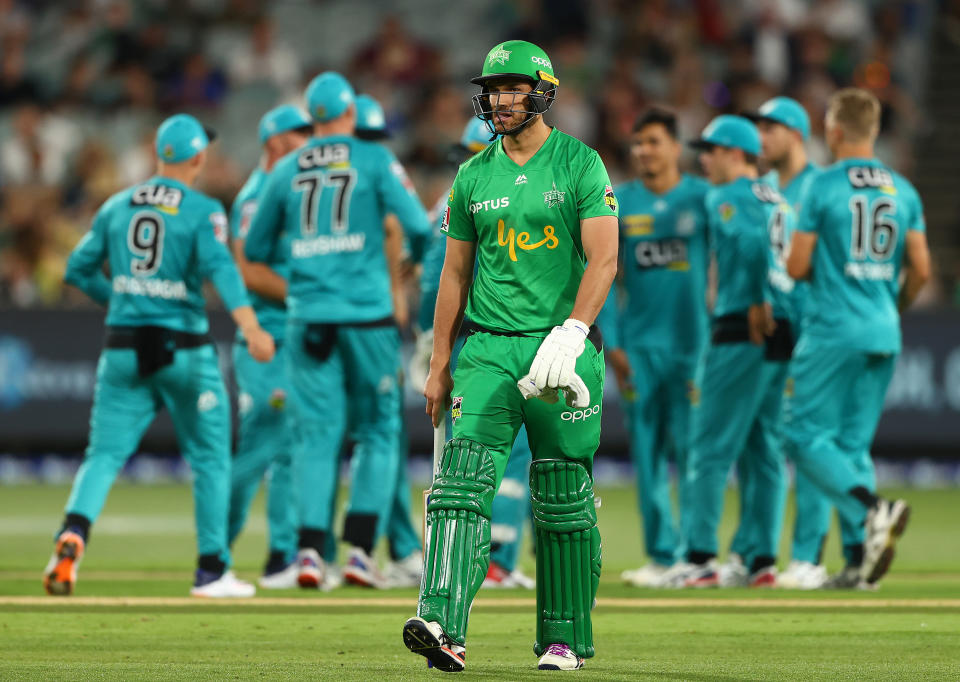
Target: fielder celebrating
<point x="654" y="325"/>
<point x="342" y="345"/>
<point x="537" y="212"/>
<point x="265" y="440"/>
<point x="859" y="224"/>
<point x="161" y="240"/>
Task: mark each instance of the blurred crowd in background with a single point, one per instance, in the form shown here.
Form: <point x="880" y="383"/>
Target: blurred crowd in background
<point x="83" y="83"/>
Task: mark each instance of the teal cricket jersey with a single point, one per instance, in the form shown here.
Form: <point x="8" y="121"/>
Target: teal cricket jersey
<point x="793" y="194"/>
<point x="663" y="246"/>
<point x="271" y="314"/>
<point x="330" y="198"/>
<point x="860" y="211"/>
<point x="433" y="258"/>
<point x="161" y="240"/>
<point x="744" y="218"/>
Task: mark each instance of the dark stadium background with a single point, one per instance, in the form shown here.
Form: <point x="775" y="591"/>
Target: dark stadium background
<point x="83" y="85"/>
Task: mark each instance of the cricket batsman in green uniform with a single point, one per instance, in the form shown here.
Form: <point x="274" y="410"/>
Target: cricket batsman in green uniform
<point x="536" y="210"/>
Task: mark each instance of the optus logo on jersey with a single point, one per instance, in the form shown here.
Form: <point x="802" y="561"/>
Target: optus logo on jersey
<point x="512" y="240"/>
<point x="575" y="416"/>
<point x="490" y="204"/>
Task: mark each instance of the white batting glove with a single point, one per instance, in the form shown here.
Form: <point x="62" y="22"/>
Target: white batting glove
<point x="554" y="366"/>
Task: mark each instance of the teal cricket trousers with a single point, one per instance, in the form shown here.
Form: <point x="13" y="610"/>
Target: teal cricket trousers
<point x="401" y="535"/>
<point x="124" y="405"/>
<point x="737" y="416"/>
<point x="357" y="383"/>
<point x="658" y="419"/>
<point x="264" y="446"/>
<point x="830" y="420"/>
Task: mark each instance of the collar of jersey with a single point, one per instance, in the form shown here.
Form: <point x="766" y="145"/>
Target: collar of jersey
<point x="533" y="161"/>
<point x="163" y="179"/>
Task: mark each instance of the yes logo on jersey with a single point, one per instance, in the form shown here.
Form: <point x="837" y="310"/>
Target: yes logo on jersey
<point x="512" y="240"/>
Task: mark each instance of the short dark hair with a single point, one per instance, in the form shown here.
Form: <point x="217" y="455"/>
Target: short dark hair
<point x="657" y="115"/>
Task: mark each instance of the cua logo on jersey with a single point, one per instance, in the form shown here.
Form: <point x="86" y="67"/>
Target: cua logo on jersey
<point x="666" y="253"/>
<point x="871" y="176"/>
<point x="513" y="240"/>
<point x="553" y="197"/>
<point x="727" y="211"/>
<point x="456" y="408"/>
<point x="161" y="197"/>
<point x="609" y="198"/>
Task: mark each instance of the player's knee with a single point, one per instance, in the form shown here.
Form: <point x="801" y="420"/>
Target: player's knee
<point x="562" y="496"/>
<point x="466" y="478"/>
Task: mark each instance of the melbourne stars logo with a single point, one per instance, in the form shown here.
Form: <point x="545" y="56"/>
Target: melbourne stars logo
<point x="553" y="197"/>
<point x="499" y="56"/>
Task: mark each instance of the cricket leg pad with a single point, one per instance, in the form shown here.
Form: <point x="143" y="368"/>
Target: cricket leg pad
<point x="568" y="554"/>
<point x="457" y="547"/>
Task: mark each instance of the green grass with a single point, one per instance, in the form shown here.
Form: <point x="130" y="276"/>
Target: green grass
<point x="144" y="546"/>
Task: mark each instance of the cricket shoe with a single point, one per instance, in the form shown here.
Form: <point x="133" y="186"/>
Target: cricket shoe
<point x="765" y="577"/>
<point x="733" y="573"/>
<point x="60" y="575"/>
<point x="310" y="569"/>
<point x="802" y="575"/>
<point x="285" y="579"/>
<point x="675" y="577"/>
<point x="702" y="575"/>
<point x="220" y="586"/>
<point x="647" y="575"/>
<point x="559" y="657"/>
<point x="362" y="570"/>
<point x="430" y="641"/>
<point x="499" y="577"/>
<point x="847" y="579"/>
<point x="407" y="572"/>
<point x="886" y="521"/>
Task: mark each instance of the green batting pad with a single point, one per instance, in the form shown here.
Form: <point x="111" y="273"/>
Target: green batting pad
<point x="568" y="554"/>
<point x="458" y="535"/>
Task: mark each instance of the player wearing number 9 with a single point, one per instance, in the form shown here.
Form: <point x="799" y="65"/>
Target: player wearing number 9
<point x="161" y="240"/>
<point x="342" y="346"/>
<point x="859" y="224"/>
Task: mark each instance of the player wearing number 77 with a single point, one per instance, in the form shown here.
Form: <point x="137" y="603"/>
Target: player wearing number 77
<point x="859" y="224"/>
<point x="161" y="240"/>
<point x="536" y="211"/>
<point x="341" y="344"/>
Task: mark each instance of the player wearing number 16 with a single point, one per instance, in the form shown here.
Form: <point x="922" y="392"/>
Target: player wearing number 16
<point x="161" y="239"/>
<point x="860" y="223"/>
<point x="329" y="199"/>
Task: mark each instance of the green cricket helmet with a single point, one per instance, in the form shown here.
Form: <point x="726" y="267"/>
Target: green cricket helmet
<point x="516" y="59"/>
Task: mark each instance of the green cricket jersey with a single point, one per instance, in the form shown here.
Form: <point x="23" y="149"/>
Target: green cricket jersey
<point x="525" y="221"/>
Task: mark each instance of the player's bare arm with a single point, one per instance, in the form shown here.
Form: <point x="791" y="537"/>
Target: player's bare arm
<point x="916" y="267"/>
<point x="801" y="255"/>
<point x="259" y="277"/>
<point x="451" y="302"/>
<point x="393" y="247"/>
<point x="259" y="342"/>
<point x="600" y="237"/>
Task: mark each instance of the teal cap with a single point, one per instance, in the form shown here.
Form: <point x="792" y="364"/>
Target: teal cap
<point x="282" y="119"/>
<point x="182" y="137"/>
<point x="328" y="96"/>
<point x="476" y="135"/>
<point x="371" y="121"/>
<point x="785" y="111"/>
<point x="730" y="131"/>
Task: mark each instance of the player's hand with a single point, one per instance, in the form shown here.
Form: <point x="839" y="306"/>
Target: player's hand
<point x="623" y="372"/>
<point x="260" y="344"/>
<point x="760" y="322"/>
<point x="555" y="363"/>
<point x="437" y="392"/>
<point x="419" y="366"/>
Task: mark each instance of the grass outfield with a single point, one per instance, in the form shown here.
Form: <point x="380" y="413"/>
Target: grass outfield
<point x="131" y="618"/>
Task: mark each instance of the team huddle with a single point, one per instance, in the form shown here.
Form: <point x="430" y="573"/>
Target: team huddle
<point x="807" y="269"/>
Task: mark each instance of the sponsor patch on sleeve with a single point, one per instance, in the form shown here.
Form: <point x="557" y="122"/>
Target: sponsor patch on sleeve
<point x="219" y="222"/>
<point x="609" y="198"/>
<point x="397" y="169"/>
<point x="247" y="211"/>
<point x="445" y="223"/>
